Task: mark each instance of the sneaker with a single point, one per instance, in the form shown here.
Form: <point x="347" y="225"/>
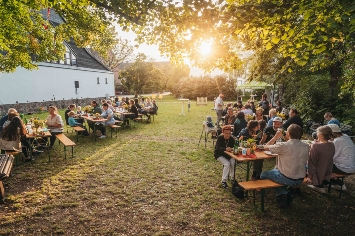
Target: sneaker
<point x="102" y="136"/>
<point x="315" y="188"/>
<point x="337" y="187"/>
<point x="224" y="185"/>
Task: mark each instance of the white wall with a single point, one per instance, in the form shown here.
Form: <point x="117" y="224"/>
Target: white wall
<point x="54" y="81"/>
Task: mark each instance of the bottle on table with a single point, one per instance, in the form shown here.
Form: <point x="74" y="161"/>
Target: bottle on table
<point x="235" y="148"/>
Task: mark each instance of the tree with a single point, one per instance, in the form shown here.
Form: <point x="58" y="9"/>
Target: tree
<point x="27" y="37"/>
<point x="172" y="75"/>
<point x="121" y="51"/>
<point x="141" y="76"/>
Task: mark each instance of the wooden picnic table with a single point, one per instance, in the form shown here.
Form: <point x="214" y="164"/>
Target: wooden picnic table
<point x="260" y="155"/>
<point x="123" y="114"/>
<point x="39" y="135"/>
<point x="92" y="119"/>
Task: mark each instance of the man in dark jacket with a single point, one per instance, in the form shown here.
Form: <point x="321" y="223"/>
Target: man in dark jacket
<point x="294" y="119"/>
<point x="225" y="142"/>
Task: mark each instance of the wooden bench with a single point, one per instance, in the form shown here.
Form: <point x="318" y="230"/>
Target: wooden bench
<point x="6" y="162"/>
<point x="260" y="185"/>
<point x="77" y="130"/>
<point x="14" y="153"/>
<point x="339" y="177"/>
<point x="67" y="143"/>
<point x="114" y="127"/>
<point x="138" y="119"/>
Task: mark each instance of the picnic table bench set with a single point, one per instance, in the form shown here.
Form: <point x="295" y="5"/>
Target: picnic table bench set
<point x="39" y="136"/>
<point x="263" y="184"/>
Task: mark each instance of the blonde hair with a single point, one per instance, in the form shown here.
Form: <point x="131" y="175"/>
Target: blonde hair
<point x="71" y="113"/>
<point x="272" y="112"/>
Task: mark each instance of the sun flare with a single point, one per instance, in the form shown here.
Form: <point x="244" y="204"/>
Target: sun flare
<point x="206" y="47"/>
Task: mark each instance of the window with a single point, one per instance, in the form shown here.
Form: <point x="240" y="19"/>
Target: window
<point x="68" y="58"/>
<point x="98" y="80"/>
<point x="106" y="80"/>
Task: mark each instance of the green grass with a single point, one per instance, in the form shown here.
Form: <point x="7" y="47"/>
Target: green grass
<point x="155" y="180"/>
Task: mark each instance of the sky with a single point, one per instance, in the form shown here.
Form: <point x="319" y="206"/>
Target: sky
<point x="152" y="51"/>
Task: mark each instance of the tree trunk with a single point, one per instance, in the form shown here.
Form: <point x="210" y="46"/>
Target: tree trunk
<point x="335" y="75"/>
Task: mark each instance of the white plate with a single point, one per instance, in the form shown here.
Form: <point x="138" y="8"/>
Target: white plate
<point x="269" y="153"/>
<point x="260" y="147"/>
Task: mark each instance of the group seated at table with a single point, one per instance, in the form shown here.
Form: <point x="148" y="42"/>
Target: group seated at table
<point x="13" y="135"/>
<point x="332" y="152"/>
<point x="77" y="119"/>
<point x="72" y="122"/>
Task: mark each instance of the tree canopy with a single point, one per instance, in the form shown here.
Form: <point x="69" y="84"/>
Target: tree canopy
<point x="27" y="37"/>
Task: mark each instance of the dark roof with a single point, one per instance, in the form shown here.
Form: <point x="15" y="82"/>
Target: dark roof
<point x="85" y="58"/>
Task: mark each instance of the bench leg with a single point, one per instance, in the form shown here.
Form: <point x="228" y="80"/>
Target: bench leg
<point x="65" y="152"/>
<point x="254" y="196"/>
<point x="341" y="187"/>
<point x="262" y="193"/>
<point x="49" y="155"/>
<point x="2" y="193"/>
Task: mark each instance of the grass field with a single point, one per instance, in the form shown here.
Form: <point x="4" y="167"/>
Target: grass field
<point x="154" y="180"/>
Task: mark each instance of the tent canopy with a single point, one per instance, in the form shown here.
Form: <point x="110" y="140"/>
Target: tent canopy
<point x="255" y="85"/>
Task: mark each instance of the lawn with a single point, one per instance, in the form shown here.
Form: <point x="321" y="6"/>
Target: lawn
<point x="153" y="179"/>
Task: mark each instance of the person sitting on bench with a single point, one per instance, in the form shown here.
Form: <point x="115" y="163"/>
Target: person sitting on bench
<point x="54" y="123"/>
<point x="225" y="142"/>
<point x="320" y="161"/>
<point x="73" y="123"/>
<point x="344" y="156"/>
<point x="291" y="163"/>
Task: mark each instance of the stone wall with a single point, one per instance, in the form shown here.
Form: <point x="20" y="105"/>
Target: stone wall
<point x="35" y="107"/>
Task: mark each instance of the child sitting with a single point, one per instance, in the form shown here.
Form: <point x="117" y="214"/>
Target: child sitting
<point x="73" y="123"/>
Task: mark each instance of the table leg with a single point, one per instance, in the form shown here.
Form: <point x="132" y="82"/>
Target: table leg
<point x="182" y="108"/>
<point x="247" y="177"/>
<point x="94" y="131"/>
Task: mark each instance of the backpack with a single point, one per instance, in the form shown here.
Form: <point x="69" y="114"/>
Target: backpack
<point x="237" y="190"/>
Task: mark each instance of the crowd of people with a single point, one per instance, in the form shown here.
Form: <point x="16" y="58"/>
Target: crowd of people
<point x="13" y="130"/>
<point x="331" y="152"/>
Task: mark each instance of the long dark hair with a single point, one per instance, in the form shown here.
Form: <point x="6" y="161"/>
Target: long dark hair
<point x="11" y="131"/>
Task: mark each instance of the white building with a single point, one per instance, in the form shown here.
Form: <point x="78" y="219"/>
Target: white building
<point x="79" y="75"/>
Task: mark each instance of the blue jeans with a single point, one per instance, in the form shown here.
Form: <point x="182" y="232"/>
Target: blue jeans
<point x="276" y="176"/>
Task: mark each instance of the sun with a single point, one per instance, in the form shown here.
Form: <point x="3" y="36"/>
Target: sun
<point x="206" y="47"/>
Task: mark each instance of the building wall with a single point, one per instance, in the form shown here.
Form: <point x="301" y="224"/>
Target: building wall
<point x="53" y="82"/>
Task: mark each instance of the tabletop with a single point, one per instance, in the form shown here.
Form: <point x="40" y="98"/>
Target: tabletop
<point x="92" y="119"/>
<point x="124" y="113"/>
<point x="45" y="134"/>
<point x="260" y="155"/>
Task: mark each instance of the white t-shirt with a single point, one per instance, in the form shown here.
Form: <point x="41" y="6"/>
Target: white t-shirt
<point x="344" y="157"/>
<point x="218" y="101"/>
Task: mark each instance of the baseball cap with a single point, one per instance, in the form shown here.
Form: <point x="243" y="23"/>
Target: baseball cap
<point x="278" y="119"/>
<point x="335" y="128"/>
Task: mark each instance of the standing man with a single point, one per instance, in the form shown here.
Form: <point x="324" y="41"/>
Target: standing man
<point x="290" y="168"/>
<point x="218" y="106"/>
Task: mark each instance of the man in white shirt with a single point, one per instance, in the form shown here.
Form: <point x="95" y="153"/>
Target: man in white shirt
<point x="218" y="106"/>
<point x="290" y="168"/>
